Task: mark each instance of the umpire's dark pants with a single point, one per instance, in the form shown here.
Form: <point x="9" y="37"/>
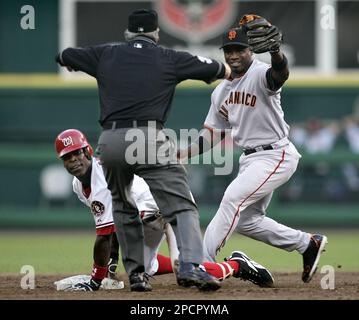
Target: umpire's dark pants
<point x="128" y="151"/>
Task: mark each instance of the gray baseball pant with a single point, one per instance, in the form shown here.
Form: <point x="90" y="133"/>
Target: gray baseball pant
<point x="168" y="185"/>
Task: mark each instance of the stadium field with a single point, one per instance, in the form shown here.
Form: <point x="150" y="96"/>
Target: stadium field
<point x="51" y="252"/>
<point x="55" y="255"/>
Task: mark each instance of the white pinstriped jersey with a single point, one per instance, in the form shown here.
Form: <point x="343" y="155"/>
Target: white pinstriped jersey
<point x="249" y="108"/>
<point x="100" y="200"/>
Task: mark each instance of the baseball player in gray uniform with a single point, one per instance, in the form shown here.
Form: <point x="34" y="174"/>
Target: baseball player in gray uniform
<point x="249" y="105"/>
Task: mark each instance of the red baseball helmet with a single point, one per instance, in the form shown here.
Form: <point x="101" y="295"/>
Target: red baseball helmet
<point x="71" y="140"/>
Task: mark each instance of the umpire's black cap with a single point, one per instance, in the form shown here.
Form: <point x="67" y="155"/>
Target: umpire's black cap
<point x="143" y="20"/>
<point x="235" y="36"/>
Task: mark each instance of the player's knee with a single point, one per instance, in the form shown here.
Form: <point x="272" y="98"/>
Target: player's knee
<point x="244" y="228"/>
<point x="231" y="200"/>
<point x="247" y="224"/>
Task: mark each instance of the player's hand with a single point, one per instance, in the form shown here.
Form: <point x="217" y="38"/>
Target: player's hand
<point x="92" y="285"/>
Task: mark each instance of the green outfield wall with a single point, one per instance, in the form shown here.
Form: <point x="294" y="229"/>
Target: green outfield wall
<point x="37" y="115"/>
<point x="28" y="50"/>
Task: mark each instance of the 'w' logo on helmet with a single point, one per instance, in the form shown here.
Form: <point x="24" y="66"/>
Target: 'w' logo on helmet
<point x="67" y="141"/>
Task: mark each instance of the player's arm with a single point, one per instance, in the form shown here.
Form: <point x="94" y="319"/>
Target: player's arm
<point x="105" y="247"/>
<point x="101" y="256"/>
<point x="207" y="139"/>
<point x="279" y="72"/>
<point x="214" y="131"/>
<point x="101" y="250"/>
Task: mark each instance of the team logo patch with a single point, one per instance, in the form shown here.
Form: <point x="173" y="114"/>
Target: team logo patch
<point x="97" y="208"/>
<point x="232" y="34"/>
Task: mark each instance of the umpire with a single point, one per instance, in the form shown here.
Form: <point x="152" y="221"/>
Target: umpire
<point x="136" y="82"/>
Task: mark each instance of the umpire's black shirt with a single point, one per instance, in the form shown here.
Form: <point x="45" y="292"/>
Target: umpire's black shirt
<point x="137" y="79"/>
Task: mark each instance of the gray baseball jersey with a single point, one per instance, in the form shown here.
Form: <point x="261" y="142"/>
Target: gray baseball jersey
<point x="253" y="113"/>
<point x="249" y="108"/>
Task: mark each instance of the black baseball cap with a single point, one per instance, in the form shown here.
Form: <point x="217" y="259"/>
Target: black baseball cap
<point x="143" y="20"/>
<point x="235" y="36"/>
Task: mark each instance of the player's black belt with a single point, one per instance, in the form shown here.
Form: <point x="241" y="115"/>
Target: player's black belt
<point x="260" y="148"/>
<point x="118" y="124"/>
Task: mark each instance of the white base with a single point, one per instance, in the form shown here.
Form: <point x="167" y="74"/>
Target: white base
<point x="107" y="283"/>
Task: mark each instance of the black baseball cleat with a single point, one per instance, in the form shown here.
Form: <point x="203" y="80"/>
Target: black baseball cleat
<point x="139" y="282"/>
<point x="189" y="275"/>
<point x="311" y="256"/>
<point x="251" y="270"/>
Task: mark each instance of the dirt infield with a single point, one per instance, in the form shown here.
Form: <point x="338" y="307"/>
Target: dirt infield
<point x="288" y="286"/>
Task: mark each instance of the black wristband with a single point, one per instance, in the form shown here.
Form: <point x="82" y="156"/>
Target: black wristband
<point x="278" y="66"/>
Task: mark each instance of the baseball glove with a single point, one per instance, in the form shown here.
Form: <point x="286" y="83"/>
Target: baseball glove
<point x="262" y="35"/>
